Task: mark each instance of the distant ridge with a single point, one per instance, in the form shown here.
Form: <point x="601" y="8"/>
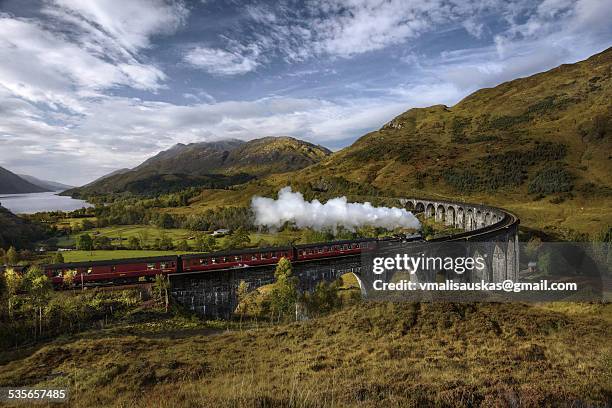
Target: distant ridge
<point x="50" y="185"/>
<point x="11" y="183"/>
<point x="217" y="164"/>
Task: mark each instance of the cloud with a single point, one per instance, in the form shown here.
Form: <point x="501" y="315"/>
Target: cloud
<point x="112" y="132"/>
<point x="127" y="24"/>
<point x="83" y="48"/>
<point x="220" y="62"/>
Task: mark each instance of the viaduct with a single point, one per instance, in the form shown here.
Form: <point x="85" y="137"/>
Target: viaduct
<point x="488" y="232"/>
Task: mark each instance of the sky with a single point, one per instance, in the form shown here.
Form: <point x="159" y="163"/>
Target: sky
<point x="88" y="87"/>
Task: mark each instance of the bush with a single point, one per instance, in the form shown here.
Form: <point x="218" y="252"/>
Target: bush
<point x="551" y="180"/>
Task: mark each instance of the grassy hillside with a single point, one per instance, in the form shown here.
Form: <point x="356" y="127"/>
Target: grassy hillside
<point x="209" y="165"/>
<point x="545" y="135"/>
<point x="370" y="355"/>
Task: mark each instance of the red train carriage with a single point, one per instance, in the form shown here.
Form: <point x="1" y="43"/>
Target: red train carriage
<point x="118" y="271"/>
<point x="234" y="259"/>
<point x="130" y="270"/>
<point x="333" y="249"/>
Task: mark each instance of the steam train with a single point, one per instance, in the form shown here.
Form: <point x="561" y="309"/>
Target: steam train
<point x="123" y="271"/>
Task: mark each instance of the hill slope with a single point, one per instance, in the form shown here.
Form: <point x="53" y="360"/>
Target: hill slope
<point x="210" y="164"/>
<point x="10" y="183"/>
<point x="16" y="231"/>
<point x="46" y="184"/>
<point x="547" y="134"/>
<point x="368" y="355"/>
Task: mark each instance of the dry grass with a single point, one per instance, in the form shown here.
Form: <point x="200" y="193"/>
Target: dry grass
<point x="370" y="355"/>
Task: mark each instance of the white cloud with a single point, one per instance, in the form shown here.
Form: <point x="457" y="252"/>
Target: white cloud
<point x="115" y="132"/>
<point x="82" y="49"/>
<point x="129" y="24"/>
<point x="220" y="62"/>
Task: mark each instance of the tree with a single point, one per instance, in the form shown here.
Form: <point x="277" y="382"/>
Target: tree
<point x="161" y="286"/>
<point x="283" y="296"/>
<point x="84" y="242"/>
<point x="165" y="221"/>
<point x="238" y="239"/>
<point x="242" y="296"/>
<point x="324" y="299"/>
<point x="87" y="225"/>
<point x="102" y="242"/>
<point x="68" y="278"/>
<point x="39" y="290"/>
<point x="165" y="242"/>
<point x="13" y="282"/>
<point x="183" y="245"/>
<point x="205" y="243"/>
<point x="12" y="257"/>
<point x="58" y="258"/>
<point x="134" y="243"/>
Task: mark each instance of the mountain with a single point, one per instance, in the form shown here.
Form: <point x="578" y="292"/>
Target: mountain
<point x="209" y="164"/>
<point x="46" y="184"/>
<point x="11" y="183"/>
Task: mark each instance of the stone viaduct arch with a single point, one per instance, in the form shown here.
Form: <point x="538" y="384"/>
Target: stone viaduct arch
<point x="491" y="232"/>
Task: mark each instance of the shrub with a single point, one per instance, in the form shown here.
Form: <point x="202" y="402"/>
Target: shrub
<point x="551" y="180"/>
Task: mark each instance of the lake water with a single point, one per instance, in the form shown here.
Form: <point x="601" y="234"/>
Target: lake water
<point x="37" y="202"/>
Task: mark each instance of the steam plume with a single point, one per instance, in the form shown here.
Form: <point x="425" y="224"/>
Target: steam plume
<point x="336" y="212"/>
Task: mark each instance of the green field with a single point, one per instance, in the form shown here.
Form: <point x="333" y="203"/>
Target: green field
<point x="148" y="234"/>
<point x="151" y="233"/>
<point x="121" y="233"/>
<point x="81" y="256"/>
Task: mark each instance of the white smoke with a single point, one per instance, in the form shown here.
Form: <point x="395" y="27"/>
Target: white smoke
<point x="291" y="207"/>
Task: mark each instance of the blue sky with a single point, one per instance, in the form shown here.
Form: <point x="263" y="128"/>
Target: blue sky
<point x="87" y="87"/>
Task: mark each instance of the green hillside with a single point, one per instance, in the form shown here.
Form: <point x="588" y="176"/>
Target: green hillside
<point x="209" y="165"/>
<point x="16" y="231"/>
<point x="547" y="134"/>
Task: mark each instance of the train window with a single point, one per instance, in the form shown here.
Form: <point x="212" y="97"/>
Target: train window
<point x="310" y="252"/>
<point x="163" y="265"/>
<point x="301" y="252"/>
<point x="89" y="270"/>
<point x="213" y="260"/>
<point x="58" y="273"/>
<point x="320" y="250"/>
<point x="325" y="249"/>
<point x="113" y="268"/>
<point x="223" y="259"/>
<point x="264" y="255"/>
<point x="203" y="261"/>
<point x="150" y="266"/>
<point x="237" y="259"/>
<point x="254" y="257"/>
<point x="274" y="254"/>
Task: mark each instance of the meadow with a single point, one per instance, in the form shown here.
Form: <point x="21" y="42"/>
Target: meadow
<point x="368" y="355"/>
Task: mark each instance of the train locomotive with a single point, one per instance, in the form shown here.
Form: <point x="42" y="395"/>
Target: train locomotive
<point x="124" y="271"/>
